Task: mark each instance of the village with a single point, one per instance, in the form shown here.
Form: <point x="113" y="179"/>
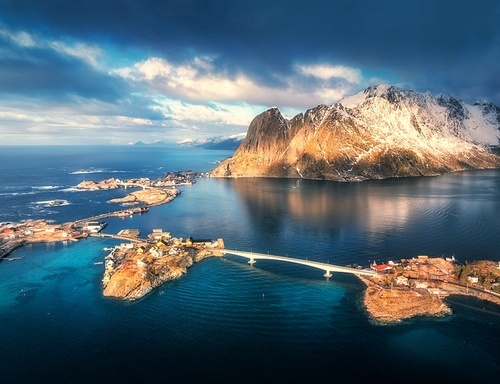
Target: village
<point x="151" y="193"/>
<point x="417" y="286"/>
<point x="133" y="269"/>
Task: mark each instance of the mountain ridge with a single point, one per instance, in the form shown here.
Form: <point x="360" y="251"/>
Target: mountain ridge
<point x="378" y="133"/>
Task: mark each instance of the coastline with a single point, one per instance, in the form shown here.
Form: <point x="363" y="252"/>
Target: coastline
<point x="425" y="281"/>
<point x="393" y="297"/>
<point x="134" y="270"/>
<point x="15" y="235"/>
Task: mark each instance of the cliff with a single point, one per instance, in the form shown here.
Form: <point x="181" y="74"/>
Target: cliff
<point x="379" y="133"/>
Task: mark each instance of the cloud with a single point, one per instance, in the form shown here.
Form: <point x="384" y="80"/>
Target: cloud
<point x="89" y="53"/>
<point x="33" y="65"/>
<point x="195" y="67"/>
<point x="199" y="80"/>
<point x="326" y="72"/>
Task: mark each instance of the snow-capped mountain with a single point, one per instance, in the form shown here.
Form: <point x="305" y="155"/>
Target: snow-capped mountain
<point x="217" y="142"/>
<point x="380" y="132"/>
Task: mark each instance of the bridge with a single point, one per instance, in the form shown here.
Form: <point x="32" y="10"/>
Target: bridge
<point x="328" y="268"/>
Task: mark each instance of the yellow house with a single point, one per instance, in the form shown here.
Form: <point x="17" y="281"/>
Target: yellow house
<point x="160" y="244"/>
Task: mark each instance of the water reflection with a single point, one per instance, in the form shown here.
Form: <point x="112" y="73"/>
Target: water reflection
<point x="369" y="206"/>
<point x="397" y="217"/>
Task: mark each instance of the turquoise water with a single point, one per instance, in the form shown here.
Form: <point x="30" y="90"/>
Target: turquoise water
<point x="226" y="321"/>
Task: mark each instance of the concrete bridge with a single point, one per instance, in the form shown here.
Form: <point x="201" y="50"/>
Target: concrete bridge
<point x="328" y="268"/>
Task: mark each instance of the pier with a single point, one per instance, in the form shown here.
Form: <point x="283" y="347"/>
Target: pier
<point x="328" y="268"/>
<point x="118" y="237"/>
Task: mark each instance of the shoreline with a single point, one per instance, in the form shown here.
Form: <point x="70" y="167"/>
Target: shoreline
<point x="15" y="235"/>
<point x="399" y="291"/>
<point x="134" y="270"/>
<point x="390" y="298"/>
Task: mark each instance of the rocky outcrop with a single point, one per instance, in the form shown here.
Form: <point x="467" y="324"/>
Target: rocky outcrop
<point x="150" y="196"/>
<point x="137" y="273"/>
<point x="394" y="305"/>
<point x="94" y="186"/>
<point x="379" y="133"/>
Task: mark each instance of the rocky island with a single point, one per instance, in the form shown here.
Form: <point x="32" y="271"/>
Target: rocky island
<point x="151" y="193"/>
<point x="418" y="287"/>
<point x="381" y="132"/>
<point x="133" y="269"/>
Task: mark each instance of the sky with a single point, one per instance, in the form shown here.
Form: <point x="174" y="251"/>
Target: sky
<point x="119" y="71"/>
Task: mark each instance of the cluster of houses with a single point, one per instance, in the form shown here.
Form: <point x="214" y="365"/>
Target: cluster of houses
<point x="409" y="265"/>
<point x="159" y="244"/>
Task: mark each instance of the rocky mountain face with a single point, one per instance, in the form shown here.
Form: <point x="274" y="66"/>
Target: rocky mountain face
<point x="378" y="133"/>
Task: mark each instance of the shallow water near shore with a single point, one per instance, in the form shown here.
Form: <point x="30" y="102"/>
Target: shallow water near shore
<point x="228" y="321"/>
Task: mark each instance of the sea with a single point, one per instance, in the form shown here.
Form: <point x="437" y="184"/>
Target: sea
<point x="226" y="321"/>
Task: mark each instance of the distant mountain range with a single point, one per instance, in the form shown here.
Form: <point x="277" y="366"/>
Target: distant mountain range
<point x="378" y="133"/>
<point x="218" y="142"/>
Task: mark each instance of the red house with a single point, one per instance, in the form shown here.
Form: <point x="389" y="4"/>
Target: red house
<point x="380" y="267"/>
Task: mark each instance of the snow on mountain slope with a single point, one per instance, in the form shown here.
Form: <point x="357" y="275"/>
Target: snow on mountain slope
<point x="380" y="132"/>
<point x="481" y="123"/>
<point x="478" y="123"/>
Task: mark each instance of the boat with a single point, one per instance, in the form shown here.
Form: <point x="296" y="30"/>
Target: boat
<point x="55" y="203"/>
<point x="14" y="258"/>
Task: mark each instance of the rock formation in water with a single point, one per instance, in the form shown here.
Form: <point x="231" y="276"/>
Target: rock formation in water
<point x="132" y="272"/>
<point x="381" y="132"/>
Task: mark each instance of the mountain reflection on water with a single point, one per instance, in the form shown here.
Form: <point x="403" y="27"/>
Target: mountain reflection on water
<point x="396" y="218"/>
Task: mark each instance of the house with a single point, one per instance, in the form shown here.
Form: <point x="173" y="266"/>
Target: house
<point x="141" y="249"/>
<point x="161" y="243"/>
<point x="437" y="291"/>
<point x="402" y="280"/>
<point x="473" y="279"/>
<point x="380" y="267"/>
<point x="190" y="241"/>
<point x="423" y="257"/>
<point x="9" y="233"/>
<point x="154" y="252"/>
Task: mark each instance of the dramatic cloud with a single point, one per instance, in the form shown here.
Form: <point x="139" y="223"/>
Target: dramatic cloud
<point x="199" y="80"/>
<point x="181" y="68"/>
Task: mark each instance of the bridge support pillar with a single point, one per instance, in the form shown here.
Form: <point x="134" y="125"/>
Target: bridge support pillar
<point x="328" y="274"/>
<point x="251" y="261"/>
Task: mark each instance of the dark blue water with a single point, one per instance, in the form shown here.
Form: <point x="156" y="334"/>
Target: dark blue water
<point x="213" y="324"/>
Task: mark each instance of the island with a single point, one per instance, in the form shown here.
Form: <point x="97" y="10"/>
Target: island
<point x="133" y="269"/>
<point x="394" y="291"/>
<point x="150" y="193"/>
<point x="418" y="286"/>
